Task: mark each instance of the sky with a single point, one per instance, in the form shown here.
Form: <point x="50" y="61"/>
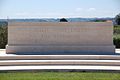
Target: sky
<point x="58" y="8"/>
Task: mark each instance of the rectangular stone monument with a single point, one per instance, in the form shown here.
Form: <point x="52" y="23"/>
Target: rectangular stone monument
<point x="60" y="38"/>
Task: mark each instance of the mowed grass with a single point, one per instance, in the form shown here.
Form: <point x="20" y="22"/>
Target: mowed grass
<point x="59" y="76"/>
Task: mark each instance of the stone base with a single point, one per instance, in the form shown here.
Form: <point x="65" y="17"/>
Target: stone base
<point x="60" y="50"/>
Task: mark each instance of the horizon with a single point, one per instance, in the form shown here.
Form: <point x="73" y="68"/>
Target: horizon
<point x="38" y="9"/>
<point x="62" y="17"/>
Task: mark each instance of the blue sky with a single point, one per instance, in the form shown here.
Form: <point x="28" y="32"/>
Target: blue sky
<point x="58" y="8"/>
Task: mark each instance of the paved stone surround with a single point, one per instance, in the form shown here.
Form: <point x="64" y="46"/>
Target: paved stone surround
<point x="11" y="62"/>
<point x="69" y="68"/>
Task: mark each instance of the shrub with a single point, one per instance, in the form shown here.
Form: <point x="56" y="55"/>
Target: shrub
<point x="3" y="35"/>
<point x="116" y="42"/>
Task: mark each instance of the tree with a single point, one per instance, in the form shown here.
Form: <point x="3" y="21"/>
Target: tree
<point x="99" y="20"/>
<point x="117" y="19"/>
<point x="63" y="20"/>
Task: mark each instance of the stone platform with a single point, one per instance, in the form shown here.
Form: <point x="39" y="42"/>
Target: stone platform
<point x="11" y="62"/>
<point x="63" y="68"/>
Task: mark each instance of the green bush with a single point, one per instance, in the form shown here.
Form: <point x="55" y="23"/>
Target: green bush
<point x="116" y="38"/>
<point x="3" y="34"/>
<point x="117" y="29"/>
<point x="116" y="42"/>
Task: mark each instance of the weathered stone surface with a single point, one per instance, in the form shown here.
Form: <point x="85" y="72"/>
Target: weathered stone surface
<point x="60" y="38"/>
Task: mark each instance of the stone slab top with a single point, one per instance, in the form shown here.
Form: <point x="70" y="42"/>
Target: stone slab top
<point x="58" y="23"/>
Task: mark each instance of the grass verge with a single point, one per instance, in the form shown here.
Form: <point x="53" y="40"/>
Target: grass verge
<point x="59" y="76"/>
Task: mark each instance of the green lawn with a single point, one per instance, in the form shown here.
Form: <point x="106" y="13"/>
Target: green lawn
<point x="59" y="76"/>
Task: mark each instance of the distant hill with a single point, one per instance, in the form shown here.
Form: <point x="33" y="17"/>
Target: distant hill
<point x="57" y="20"/>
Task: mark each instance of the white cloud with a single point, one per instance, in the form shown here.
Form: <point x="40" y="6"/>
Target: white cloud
<point x="91" y="9"/>
<point x="22" y="14"/>
<point x="78" y="9"/>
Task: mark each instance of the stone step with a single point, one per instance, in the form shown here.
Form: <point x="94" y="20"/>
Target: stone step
<point x="59" y="62"/>
<point x="64" y="68"/>
<point x="59" y="57"/>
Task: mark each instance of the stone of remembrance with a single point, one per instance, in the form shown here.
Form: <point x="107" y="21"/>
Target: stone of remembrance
<point x="68" y="38"/>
